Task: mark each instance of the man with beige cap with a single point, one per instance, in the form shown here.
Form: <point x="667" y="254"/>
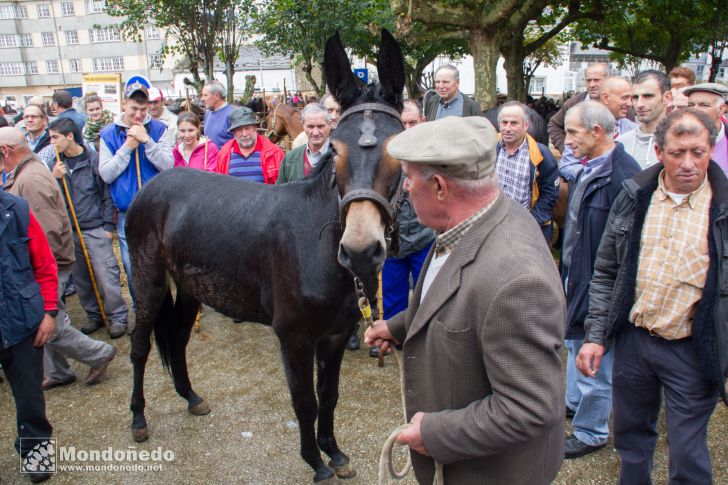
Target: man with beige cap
<point x="483" y="335"/>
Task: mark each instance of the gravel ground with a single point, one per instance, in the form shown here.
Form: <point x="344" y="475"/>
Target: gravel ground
<point x="251" y="435"/>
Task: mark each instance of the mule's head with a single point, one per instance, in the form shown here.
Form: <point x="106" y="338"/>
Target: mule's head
<point x="368" y="179"/>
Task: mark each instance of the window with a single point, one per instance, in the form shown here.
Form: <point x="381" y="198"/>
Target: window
<point x="44" y="10"/>
<point x="12" y="68"/>
<point x="48" y="39"/>
<point x="52" y="67"/>
<point x="67" y="9"/>
<point x="699" y="71"/>
<point x="31" y="67"/>
<point x="721" y="72"/>
<point x="152" y="32"/>
<point x="9" y="11"/>
<point x="26" y="40"/>
<point x="9" y="40"/>
<point x="155" y="61"/>
<point x="95" y="6"/>
<point x="75" y="65"/>
<point x="536" y="86"/>
<point x="102" y="64"/>
<point x="71" y="37"/>
<point x="109" y="34"/>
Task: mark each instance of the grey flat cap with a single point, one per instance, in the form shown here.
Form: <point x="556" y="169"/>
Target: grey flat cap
<point x="462" y="148"/>
<point x="241" y="117"/>
<point x="714" y="88"/>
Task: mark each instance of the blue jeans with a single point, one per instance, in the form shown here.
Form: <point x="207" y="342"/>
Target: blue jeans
<point x="589" y="397"/>
<point x="395" y="280"/>
<point x="124" y="249"/>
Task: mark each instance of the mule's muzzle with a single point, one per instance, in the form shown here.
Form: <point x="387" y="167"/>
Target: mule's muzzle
<point x="363" y="261"/>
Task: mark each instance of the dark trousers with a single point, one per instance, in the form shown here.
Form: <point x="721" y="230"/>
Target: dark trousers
<point x="644" y="365"/>
<point x="23" y="366"/>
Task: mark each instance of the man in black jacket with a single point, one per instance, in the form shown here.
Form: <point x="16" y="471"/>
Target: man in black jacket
<point x="95" y="212"/>
<point x="590" y="135"/>
<point x="658" y="295"/>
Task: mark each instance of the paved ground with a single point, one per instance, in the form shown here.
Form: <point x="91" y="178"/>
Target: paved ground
<point x="251" y="435"/>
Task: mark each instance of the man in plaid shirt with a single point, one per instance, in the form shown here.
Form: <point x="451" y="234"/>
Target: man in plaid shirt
<point x="658" y="295"/>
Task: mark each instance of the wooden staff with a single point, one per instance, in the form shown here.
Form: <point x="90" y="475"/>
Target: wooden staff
<point x="72" y="209"/>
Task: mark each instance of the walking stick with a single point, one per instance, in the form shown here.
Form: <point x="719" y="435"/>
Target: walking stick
<point x="83" y="246"/>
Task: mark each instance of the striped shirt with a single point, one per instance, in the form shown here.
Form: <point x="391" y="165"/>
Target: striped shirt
<point x="247" y="168"/>
<point x="673" y="261"/>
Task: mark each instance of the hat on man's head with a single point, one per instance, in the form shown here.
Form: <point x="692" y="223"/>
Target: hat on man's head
<point x="461" y="148"/>
<point x="155" y="94"/>
<point x="714" y="88"/>
<point x="241" y="117"/>
<point x="135" y="87"/>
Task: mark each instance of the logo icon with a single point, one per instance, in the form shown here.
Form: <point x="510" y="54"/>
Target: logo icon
<point x="41" y="458"/>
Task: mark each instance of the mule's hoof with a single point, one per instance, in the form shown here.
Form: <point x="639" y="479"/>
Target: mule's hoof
<point x="199" y="409"/>
<point x="344" y="471"/>
<point x="140" y="435"/>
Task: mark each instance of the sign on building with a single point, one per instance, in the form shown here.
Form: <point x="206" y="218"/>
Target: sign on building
<point x="107" y="87"/>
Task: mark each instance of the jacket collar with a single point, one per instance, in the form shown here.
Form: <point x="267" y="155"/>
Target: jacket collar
<point x="448" y="279"/>
<point x="12" y="176"/>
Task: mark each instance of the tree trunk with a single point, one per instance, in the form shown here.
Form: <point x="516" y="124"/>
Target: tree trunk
<point x="715" y="63"/>
<point x="484" y="49"/>
<point x="308" y="71"/>
<point x="515" y="77"/>
<point x="229" y="73"/>
<point x="672" y="52"/>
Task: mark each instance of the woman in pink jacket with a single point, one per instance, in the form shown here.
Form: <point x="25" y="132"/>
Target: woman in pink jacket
<point x="193" y="150"/>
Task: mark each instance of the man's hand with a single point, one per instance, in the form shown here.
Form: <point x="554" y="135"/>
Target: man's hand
<point x="59" y="170"/>
<point x="131" y="142"/>
<point x="138" y="132"/>
<point x="589" y="358"/>
<point x="411" y="436"/>
<point x="109" y="234"/>
<point x="46" y="331"/>
<point x="378" y="336"/>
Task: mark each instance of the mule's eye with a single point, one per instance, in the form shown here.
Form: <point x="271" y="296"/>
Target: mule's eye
<point x="332" y="149"/>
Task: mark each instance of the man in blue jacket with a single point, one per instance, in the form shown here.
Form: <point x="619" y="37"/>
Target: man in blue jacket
<point x="132" y="150"/>
<point x="590" y="135"/>
<point x="527" y="171"/>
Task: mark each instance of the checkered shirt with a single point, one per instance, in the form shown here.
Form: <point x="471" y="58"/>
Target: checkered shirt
<point x="514" y="174"/>
<point x="673" y="262"/>
<point x="446" y="241"/>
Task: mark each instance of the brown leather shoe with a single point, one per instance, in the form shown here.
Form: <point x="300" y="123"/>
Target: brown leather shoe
<point x="49" y="384"/>
<point x="97" y="373"/>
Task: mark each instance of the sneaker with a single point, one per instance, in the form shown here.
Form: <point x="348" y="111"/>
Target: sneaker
<point x="70" y="289"/>
<point x="91" y="326"/>
<point x="97" y="373"/>
<point x="574" y="447"/>
<point x="38" y="477"/>
<point x="117" y="330"/>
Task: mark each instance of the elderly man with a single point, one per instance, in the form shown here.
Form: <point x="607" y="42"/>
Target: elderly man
<point x="482" y="371"/>
<point x="26" y="263"/>
<point x="449" y="101"/>
<point x="412" y="114"/>
<point x="133" y="149"/>
<point x="217" y="117"/>
<point x="299" y="162"/>
<point x="249" y="155"/>
<point x="30" y="179"/>
<point x="36" y="133"/>
<point x="616" y="95"/>
<point x="62" y="105"/>
<point x="710" y="99"/>
<point x="651" y="97"/>
<point x="595" y="75"/>
<point x="332" y="106"/>
<point x="527" y="171"/>
<point x="590" y="135"/>
<point x="159" y="111"/>
<point x="658" y="299"/>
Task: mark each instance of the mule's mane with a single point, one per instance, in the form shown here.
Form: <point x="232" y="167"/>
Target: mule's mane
<point x="318" y="183"/>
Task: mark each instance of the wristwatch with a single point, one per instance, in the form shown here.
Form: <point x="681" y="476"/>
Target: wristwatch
<point x="53" y="313"/>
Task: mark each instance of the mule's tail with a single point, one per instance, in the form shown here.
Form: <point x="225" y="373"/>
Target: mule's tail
<point x="166" y="333"/>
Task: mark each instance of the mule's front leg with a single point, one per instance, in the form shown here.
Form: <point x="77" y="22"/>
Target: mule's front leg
<point x="298" y="364"/>
<point x="329" y="354"/>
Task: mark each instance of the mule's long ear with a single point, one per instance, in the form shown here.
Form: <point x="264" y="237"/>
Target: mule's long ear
<point x="339" y="77"/>
<point x="390" y="66"/>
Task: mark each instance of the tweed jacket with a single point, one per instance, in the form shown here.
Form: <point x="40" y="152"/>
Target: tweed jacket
<point x="482" y="356"/>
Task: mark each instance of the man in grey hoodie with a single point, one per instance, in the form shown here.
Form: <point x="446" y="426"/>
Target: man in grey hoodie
<point x="651" y="97"/>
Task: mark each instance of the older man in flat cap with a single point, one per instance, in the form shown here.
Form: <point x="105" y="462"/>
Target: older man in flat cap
<point x="710" y="98"/>
<point x="482" y="337"/>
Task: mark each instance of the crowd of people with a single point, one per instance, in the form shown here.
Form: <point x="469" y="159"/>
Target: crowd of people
<point x="637" y="300"/>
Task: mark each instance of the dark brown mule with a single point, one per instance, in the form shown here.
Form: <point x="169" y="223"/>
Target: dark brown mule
<point x="271" y="254"/>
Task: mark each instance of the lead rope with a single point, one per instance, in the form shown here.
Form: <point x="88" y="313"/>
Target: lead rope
<point x="387" y="472"/>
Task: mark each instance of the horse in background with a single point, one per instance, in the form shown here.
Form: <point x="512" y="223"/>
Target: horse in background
<point x="291" y="256"/>
<point x="283" y="120"/>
